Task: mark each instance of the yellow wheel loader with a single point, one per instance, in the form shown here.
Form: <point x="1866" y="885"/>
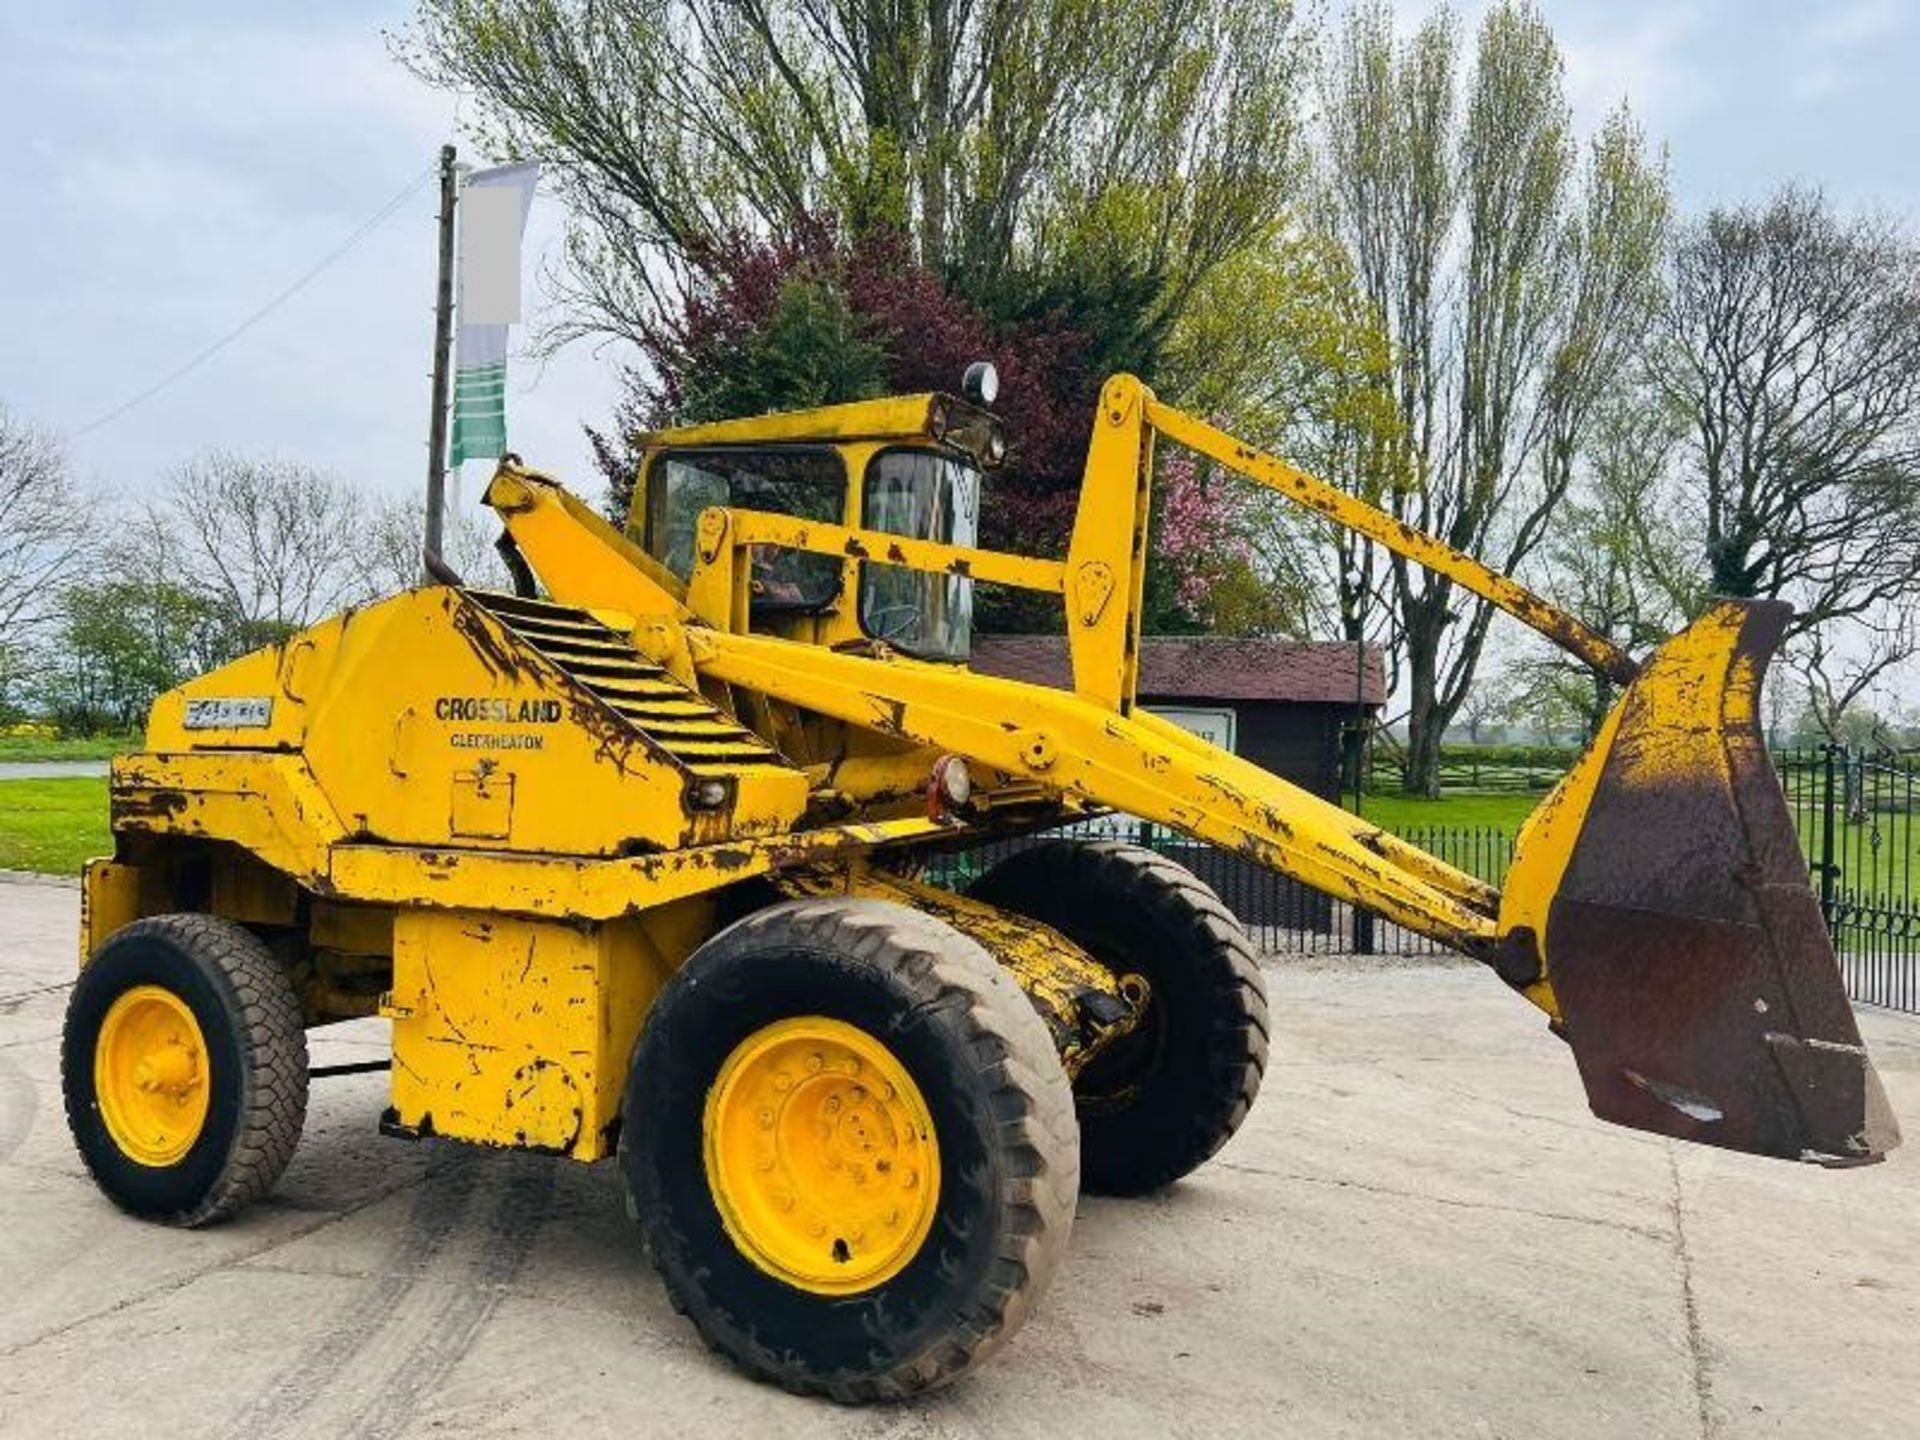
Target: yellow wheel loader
<point x="631" y="859"/>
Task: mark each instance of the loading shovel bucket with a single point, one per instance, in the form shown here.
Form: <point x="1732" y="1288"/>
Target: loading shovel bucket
<point x="1684" y="948"/>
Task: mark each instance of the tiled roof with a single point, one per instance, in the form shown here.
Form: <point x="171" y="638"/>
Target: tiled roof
<point x="1203" y="667"/>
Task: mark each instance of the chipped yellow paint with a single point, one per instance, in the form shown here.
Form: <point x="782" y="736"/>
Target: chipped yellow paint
<point x="1355" y="514"/>
<point x="1057" y="975"/>
<point x="1108" y="551"/>
<point x="1694" y="697"/>
<point x="590" y="563"/>
<point x="265" y="820"/>
<point x="478" y="741"/>
<point x="1090" y="754"/>
<point x="1541" y="851"/>
<point x="517" y="1032"/>
<point x="893" y="419"/>
<point x="715" y="592"/>
<point x="109" y="899"/>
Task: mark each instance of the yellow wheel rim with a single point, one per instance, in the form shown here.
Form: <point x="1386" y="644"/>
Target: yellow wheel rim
<point x="821" y="1156"/>
<point x="150" y="1076"/>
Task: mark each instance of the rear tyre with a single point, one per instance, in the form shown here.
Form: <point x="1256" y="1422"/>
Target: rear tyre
<point x="184" y="1065"/>
<point x="1162" y="1100"/>
<point x="850" y="1147"/>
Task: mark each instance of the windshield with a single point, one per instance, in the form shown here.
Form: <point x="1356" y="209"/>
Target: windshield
<point x="807" y="484"/>
<point x="928" y="496"/>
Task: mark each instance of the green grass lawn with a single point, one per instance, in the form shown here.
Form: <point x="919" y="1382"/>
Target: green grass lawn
<point x="1877" y="854"/>
<point x="53" y="826"/>
<point x="1402" y="813"/>
<point x="90" y="747"/>
<point x="1889" y="869"/>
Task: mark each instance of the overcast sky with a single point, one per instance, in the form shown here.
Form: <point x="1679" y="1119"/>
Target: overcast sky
<point x="170" y="168"/>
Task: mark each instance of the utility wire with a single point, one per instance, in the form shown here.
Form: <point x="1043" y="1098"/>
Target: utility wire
<point x="379" y="217"/>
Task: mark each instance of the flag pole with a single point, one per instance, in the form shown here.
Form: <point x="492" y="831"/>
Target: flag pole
<point x="442" y="342"/>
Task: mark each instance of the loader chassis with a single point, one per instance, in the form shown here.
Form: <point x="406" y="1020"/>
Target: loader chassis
<point x="629" y="859"/>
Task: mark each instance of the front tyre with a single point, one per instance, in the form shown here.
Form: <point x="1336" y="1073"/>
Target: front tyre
<point x="1164" y="1098"/>
<point x="851" y="1148"/>
<point x="184" y="1067"/>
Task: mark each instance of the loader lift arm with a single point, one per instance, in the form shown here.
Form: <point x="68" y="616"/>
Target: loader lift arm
<point x="1566" y="631"/>
<point x="1066" y="743"/>
<point x="1657" y="909"/>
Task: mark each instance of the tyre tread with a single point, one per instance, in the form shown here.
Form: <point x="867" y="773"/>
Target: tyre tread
<point x="1032" y="1110"/>
<point x="266" y="1018"/>
<point x="1129" y="875"/>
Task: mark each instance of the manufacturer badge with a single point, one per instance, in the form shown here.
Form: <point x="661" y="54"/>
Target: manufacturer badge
<point x="239" y="712"/>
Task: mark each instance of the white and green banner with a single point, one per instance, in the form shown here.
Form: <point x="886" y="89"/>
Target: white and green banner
<point x="493" y="217"/>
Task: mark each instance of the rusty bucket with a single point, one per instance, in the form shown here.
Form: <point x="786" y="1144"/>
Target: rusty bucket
<point x="1664" y="895"/>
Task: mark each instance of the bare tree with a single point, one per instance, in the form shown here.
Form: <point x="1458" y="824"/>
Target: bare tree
<point x="45" y="536"/>
<point x="388" y="560"/>
<point x="274" y="544"/>
<point x="1793" y="349"/>
<point x="1616" y="558"/>
<point x="1837" y="676"/>
<point x="1490" y="702"/>
<point x="1512" y="284"/>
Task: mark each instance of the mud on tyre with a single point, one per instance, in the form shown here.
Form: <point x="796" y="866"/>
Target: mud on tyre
<point x="184" y="1066"/>
<point x="851" y="1148"/>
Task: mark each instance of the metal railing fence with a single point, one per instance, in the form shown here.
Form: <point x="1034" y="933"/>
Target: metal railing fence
<point x="1857" y="817"/>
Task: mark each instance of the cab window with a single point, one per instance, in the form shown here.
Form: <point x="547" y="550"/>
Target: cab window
<point x="928" y="495"/>
<point x="809" y="484"/>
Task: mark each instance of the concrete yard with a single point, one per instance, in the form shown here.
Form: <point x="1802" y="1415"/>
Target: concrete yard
<point x="1419" y="1232"/>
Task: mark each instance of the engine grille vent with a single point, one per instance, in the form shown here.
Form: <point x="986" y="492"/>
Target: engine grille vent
<point x="680" y="721"/>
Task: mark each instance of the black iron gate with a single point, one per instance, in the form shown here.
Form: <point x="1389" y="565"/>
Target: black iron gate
<point x="1858" y="817"/>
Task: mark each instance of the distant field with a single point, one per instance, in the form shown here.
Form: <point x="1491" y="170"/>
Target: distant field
<point x="1878" y="855"/>
<point x="1405" y="812"/>
<point x="1517" y="779"/>
<point x="91" y="747"/>
<point x="53" y="826"/>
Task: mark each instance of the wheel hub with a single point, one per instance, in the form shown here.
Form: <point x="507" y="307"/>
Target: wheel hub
<point x="150" y="1076"/>
<point x="821" y="1155"/>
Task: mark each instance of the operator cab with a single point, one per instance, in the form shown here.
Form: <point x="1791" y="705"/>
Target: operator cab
<point x="909" y="466"/>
